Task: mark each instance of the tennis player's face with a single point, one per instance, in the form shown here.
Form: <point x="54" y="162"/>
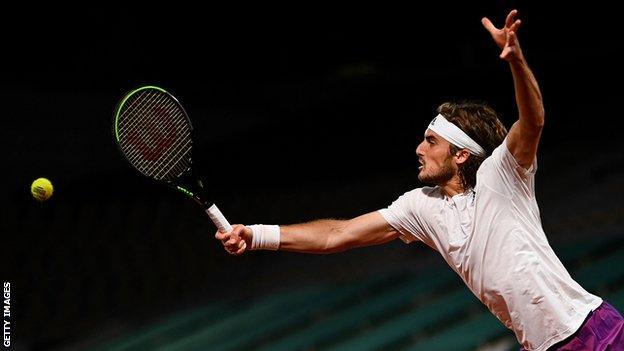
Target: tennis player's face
<point x="436" y="162"/>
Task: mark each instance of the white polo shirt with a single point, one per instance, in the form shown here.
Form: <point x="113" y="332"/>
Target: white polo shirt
<point x="493" y="238"/>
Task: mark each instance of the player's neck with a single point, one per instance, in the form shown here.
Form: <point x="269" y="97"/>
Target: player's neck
<point x="453" y="186"/>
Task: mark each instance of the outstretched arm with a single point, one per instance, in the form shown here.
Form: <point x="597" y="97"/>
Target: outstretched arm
<point x="319" y="237"/>
<point x="524" y="135"/>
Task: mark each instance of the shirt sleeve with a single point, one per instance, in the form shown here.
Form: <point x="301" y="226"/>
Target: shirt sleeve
<point x="502" y="173"/>
<point x="405" y="215"/>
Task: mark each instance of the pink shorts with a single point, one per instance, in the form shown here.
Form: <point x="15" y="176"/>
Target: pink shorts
<point x="603" y="329"/>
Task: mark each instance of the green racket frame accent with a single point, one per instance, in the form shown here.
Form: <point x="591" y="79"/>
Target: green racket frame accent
<point x="190" y="185"/>
<point x="123" y="102"/>
<point x="185" y="191"/>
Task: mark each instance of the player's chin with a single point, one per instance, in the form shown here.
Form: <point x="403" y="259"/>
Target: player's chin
<point x="422" y="175"/>
<point x="426" y="178"/>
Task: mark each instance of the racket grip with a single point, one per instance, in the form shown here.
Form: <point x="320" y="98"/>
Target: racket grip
<point x="218" y="219"/>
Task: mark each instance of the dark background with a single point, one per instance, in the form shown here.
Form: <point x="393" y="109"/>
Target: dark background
<point x="300" y="113"/>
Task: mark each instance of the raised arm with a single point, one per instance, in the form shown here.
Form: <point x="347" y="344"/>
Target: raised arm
<point x="524" y="135"/>
<point x="318" y="237"/>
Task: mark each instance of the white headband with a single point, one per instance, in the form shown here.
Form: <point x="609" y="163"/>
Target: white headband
<point x="455" y="136"/>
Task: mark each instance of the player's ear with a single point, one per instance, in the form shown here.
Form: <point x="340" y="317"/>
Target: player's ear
<point x="461" y="156"/>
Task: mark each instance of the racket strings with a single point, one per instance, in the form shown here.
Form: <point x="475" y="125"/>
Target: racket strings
<point x="140" y="123"/>
<point x="165" y="133"/>
<point x="134" y="120"/>
<point x="167" y="153"/>
<point x="178" y="151"/>
<point x="176" y="168"/>
<point x="155" y="135"/>
<point x="135" y="116"/>
<point x="170" y="164"/>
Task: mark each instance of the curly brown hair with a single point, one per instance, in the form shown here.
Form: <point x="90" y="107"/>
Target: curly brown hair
<point x="481" y="123"/>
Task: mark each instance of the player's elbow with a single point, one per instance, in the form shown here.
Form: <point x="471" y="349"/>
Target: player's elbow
<point x="532" y="127"/>
<point x="538" y="120"/>
<point x="534" y="130"/>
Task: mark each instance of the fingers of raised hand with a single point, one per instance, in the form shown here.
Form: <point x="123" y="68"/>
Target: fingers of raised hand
<point x="488" y="24"/>
<point x="510" y="18"/>
<point x="514" y="27"/>
<point x="510" y="51"/>
<point x="511" y="38"/>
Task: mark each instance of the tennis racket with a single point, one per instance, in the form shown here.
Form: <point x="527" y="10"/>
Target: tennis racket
<point x="154" y="134"/>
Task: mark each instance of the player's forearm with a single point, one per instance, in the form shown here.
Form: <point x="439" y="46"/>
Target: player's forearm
<point x="319" y="237"/>
<point x="528" y="97"/>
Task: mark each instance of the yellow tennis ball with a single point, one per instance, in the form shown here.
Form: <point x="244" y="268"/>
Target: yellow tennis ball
<point x="41" y="189"/>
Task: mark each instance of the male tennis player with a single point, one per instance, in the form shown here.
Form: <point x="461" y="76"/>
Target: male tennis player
<point x="481" y="215"/>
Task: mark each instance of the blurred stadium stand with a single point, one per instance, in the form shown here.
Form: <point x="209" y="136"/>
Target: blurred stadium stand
<point x="397" y="311"/>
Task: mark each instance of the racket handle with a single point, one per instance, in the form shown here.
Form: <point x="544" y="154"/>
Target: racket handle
<point x="218" y="219"/>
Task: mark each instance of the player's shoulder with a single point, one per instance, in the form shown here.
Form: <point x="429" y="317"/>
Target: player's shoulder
<point x="502" y="159"/>
<point x="495" y="157"/>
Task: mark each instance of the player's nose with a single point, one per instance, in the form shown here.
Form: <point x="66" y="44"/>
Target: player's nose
<point x="419" y="151"/>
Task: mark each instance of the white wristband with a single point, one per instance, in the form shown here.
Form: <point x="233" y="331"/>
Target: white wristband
<point x="265" y="237"/>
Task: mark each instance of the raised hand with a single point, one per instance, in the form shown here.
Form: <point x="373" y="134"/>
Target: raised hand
<point x="506" y="38"/>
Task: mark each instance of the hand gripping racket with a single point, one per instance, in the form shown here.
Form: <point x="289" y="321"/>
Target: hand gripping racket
<point x="154" y="134"/>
